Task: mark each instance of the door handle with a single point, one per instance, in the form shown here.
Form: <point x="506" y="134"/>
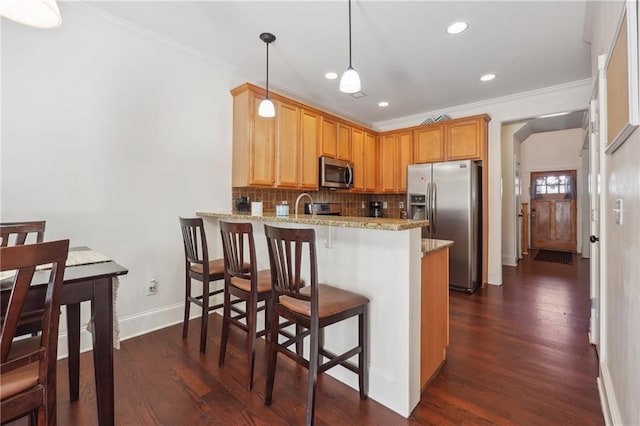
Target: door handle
<point x="594" y="239"/>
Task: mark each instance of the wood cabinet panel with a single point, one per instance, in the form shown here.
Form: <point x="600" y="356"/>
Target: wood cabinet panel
<point x="388" y="160"/>
<point x="344" y="142"/>
<point x="434" y="314"/>
<point x="405" y="157"/>
<point x="287" y="143"/>
<point x="329" y="146"/>
<point x="464" y="140"/>
<point x="358" y="158"/>
<point x="428" y="144"/>
<point x="310" y="139"/>
<point x="262" y="149"/>
<point x="370" y="163"/>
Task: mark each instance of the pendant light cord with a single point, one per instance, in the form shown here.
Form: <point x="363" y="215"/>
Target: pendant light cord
<point x="350" y="34"/>
<point x="267" y="94"/>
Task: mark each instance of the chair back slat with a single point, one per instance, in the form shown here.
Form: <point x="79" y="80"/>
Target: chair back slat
<point x="195" y="242"/>
<point x="287" y="251"/>
<point x="239" y="249"/>
<point x="16" y="233"/>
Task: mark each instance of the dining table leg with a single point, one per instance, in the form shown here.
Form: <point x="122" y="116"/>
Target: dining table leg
<point x="102" y="311"/>
<point x="73" y="340"/>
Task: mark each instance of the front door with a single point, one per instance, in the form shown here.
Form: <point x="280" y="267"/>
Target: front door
<point x="553" y="210"/>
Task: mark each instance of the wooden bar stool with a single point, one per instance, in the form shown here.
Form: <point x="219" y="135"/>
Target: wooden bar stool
<point x="199" y="267"/>
<point x="16" y="233"/>
<point x="313" y="307"/>
<point x="245" y="283"/>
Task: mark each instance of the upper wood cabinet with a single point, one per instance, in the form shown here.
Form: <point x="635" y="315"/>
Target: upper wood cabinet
<point x="309" y="141"/>
<point x="274" y="152"/>
<point x="344" y="142"/>
<point x="287" y="144"/>
<point x="460" y="139"/>
<point x="370" y="162"/>
<point x="329" y="145"/>
<point x="465" y="139"/>
<point x="253" y="143"/>
<point x="358" y="158"/>
<point x="395" y="155"/>
<point x="428" y="144"/>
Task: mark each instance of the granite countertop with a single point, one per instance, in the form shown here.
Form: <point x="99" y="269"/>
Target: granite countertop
<point x="431" y="246"/>
<point x="376" y="223"/>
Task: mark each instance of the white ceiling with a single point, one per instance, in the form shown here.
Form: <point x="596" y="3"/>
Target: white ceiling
<point x="400" y="48"/>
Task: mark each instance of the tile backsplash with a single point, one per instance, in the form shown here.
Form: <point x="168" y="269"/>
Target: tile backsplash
<point x="351" y="202"/>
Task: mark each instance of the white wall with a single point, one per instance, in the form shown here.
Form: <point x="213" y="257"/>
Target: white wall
<point x="110" y="135"/>
<point x="509" y="208"/>
<point x="569" y="97"/>
<point x="620" y="248"/>
<point x="559" y="150"/>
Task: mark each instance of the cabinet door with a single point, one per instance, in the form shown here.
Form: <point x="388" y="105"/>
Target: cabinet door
<point x="344" y="142"/>
<point x="357" y="154"/>
<point x="464" y="140"/>
<point x="405" y="151"/>
<point x="428" y="144"/>
<point x="287" y="142"/>
<point x="310" y="139"/>
<point x="329" y="145"/>
<point x="388" y="163"/>
<point x="370" y="162"/>
<point x="262" y="149"/>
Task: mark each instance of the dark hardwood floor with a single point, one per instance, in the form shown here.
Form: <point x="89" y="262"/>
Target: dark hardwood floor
<point x="518" y="354"/>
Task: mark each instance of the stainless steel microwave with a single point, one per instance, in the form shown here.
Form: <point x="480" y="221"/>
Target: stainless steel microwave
<point x="335" y="173"/>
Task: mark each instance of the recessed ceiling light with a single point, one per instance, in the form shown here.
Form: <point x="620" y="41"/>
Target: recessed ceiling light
<point x="457" y="27"/>
<point x="331" y="75"/>
<point x="383" y="104"/>
<point x="487" y="77"/>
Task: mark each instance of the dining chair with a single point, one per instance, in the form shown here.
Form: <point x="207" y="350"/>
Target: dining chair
<point x="245" y="283"/>
<point x="28" y="366"/>
<point x="314" y="307"/>
<point x="16" y="233"/>
<point x="198" y="266"/>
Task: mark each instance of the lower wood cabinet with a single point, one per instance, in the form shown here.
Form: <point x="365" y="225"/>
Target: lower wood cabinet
<point x="434" y="324"/>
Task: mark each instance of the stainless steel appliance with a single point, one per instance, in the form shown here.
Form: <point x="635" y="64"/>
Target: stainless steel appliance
<point x="336" y="174"/>
<point x="334" y="209"/>
<point x="375" y="209"/>
<point x="448" y="195"/>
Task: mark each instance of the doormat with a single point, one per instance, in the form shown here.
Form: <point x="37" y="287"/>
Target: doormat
<point x="554" y="256"/>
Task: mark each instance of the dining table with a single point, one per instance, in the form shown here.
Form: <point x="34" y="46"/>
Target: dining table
<point x="92" y="282"/>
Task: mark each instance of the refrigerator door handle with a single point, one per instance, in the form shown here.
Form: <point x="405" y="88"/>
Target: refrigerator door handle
<point x="434" y="205"/>
<point x="427" y="207"/>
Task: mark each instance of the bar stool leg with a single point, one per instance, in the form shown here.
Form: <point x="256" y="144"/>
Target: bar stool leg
<point x="226" y="315"/>
<point x="187" y="306"/>
<point x="206" y="289"/>
<point x="251" y="308"/>
<point x="363" y="368"/>
<point x="313" y="371"/>
<point x="272" y="357"/>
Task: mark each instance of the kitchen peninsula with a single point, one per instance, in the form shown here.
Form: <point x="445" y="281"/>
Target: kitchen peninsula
<point x="386" y="260"/>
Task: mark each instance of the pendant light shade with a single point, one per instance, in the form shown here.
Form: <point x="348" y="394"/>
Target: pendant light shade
<point x="266" y="108"/>
<point x="350" y="81"/>
<point x="35" y="13"/>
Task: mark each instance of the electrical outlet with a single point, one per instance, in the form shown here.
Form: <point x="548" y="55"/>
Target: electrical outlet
<point x="364" y="205"/>
<point x="384" y="204"/>
<point x="402" y="204"/>
<point x="152" y="287"/>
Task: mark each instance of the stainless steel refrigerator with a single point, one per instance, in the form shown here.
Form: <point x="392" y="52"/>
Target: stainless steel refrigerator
<point x="448" y="195"/>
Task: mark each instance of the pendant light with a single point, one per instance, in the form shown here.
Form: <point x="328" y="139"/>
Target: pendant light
<point x="35" y="13"/>
<point x="266" y="108"/>
<point x="350" y="81"/>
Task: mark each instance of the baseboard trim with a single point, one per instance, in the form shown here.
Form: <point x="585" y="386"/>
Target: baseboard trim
<point x="608" y="401"/>
<point x="510" y="260"/>
<point x="132" y="326"/>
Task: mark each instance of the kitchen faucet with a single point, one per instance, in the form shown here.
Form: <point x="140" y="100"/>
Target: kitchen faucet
<point x="304" y="194"/>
